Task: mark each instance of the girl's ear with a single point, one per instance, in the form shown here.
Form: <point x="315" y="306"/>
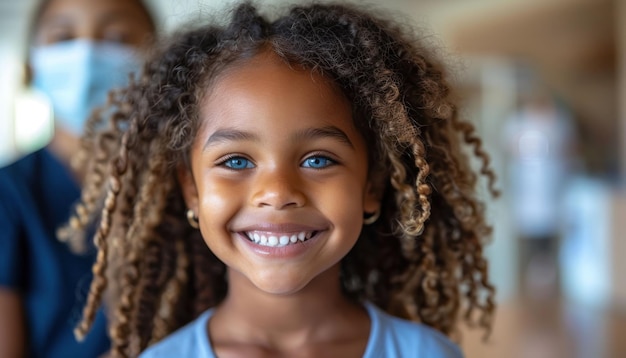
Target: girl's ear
<point x="188" y="187"/>
<point x="374" y="191"/>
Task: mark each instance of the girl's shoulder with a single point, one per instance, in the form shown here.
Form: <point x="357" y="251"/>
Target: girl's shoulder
<point x="188" y="341"/>
<point x="395" y="337"/>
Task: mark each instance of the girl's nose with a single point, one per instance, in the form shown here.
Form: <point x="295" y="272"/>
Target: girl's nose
<point x="278" y="189"/>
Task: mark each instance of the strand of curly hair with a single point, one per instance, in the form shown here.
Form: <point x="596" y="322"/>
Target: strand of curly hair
<point x="422" y="260"/>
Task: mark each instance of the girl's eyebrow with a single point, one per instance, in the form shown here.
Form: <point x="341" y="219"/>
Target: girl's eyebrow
<point x="232" y="134"/>
<point x="229" y="135"/>
<point x="323" y="132"/>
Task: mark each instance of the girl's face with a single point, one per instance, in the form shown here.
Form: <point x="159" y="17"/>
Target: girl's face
<point x="279" y="174"/>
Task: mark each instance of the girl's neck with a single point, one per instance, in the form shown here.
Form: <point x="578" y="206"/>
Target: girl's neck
<point x="320" y="313"/>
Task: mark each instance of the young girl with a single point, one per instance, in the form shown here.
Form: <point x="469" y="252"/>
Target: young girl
<point x="319" y="158"/>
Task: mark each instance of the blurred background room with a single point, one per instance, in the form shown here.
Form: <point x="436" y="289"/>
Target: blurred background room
<point x="544" y="81"/>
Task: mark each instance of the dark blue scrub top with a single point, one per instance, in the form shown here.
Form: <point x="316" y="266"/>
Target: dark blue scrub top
<point x="36" y="197"/>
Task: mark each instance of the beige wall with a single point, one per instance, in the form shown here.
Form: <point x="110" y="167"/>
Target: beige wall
<point x="619" y="197"/>
<point x="618" y="251"/>
<point x="621" y="70"/>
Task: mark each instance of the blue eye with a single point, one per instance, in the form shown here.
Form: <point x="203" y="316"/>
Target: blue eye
<point x="317" y="162"/>
<point x="238" y="163"/>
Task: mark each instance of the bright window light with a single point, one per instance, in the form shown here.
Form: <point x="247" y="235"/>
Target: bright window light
<point x="33" y="121"/>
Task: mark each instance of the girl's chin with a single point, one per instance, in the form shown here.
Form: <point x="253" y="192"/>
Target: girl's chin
<point x="280" y="286"/>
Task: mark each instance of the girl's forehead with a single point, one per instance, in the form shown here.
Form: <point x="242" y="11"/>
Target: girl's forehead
<point x="267" y="67"/>
<point x="266" y="88"/>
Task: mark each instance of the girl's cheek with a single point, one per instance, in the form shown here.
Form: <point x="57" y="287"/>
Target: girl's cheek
<point x="220" y="196"/>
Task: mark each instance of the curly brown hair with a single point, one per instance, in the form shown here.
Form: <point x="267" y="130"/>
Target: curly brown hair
<point x="422" y="260"/>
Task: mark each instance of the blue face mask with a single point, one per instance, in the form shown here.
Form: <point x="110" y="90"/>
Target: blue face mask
<point x="76" y="76"/>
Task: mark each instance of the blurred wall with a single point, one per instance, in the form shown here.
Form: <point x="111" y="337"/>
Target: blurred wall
<point x="13" y="28"/>
<point x="619" y="207"/>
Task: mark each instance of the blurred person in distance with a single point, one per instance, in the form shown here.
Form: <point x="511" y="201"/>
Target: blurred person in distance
<point x="80" y="49"/>
<point x="539" y="138"/>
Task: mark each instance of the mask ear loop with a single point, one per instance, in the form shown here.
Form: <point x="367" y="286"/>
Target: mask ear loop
<point x="371" y="218"/>
<point x="193" y="219"/>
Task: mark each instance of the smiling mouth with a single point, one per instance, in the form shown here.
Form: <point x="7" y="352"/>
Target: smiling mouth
<point x="279" y="239"/>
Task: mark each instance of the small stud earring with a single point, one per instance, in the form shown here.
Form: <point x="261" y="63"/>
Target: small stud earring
<point x="370" y="219"/>
<point x="192" y="219"/>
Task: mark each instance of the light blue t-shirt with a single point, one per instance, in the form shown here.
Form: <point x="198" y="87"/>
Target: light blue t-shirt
<point x="389" y="337"/>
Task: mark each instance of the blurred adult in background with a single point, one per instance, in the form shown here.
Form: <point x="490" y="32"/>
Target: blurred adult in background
<point x="539" y="138"/>
<point x="80" y="49"/>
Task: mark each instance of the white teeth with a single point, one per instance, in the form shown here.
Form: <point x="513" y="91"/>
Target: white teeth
<point x="279" y="240"/>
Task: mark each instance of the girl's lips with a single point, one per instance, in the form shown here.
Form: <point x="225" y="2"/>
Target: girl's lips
<point x="270" y="227"/>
